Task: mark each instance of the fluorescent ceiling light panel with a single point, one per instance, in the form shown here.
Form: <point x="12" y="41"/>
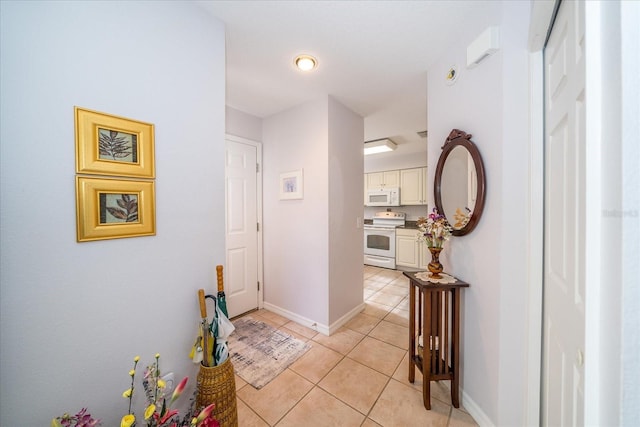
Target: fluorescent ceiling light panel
<point x="379" y="146"/>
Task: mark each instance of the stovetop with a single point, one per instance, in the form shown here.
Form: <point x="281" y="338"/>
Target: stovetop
<point x="389" y="219"/>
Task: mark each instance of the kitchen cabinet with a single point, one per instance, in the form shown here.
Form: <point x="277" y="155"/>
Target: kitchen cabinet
<point x="413" y="186"/>
<point x="379" y="180"/>
<point x="376" y="180"/>
<point x="409" y="251"/>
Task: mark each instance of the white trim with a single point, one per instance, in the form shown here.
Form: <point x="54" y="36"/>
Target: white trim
<point x="540" y="25"/>
<point x="593" y="203"/>
<point x="310" y="323"/>
<point x="301" y="320"/>
<point x="482" y="419"/>
<point x="344" y="319"/>
<point x="536" y="237"/>
<point x="258" y="146"/>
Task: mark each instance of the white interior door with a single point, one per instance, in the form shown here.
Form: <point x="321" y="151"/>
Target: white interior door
<point x="242" y="192"/>
<point x="564" y="221"/>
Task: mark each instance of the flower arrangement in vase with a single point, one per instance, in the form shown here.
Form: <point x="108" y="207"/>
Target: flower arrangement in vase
<point x="434" y="231"/>
<point x="158" y="413"/>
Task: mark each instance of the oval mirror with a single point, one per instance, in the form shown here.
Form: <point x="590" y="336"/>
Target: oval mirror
<point x="459" y="184"/>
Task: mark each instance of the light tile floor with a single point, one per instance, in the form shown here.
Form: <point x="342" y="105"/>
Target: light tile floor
<point x="355" y="377"/>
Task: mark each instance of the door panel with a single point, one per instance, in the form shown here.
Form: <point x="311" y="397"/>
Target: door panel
<point x="564" y="223"/>
<point x="241" y="272"/>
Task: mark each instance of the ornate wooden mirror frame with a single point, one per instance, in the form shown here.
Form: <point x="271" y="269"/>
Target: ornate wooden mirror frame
<point x="458" y="138"/>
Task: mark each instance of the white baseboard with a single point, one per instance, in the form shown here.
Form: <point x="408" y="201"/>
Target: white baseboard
<point x="344" y="319"/>
<point x="310" y="323"/>
<point x="304" y="321"/>
<point x="475" y="411"/>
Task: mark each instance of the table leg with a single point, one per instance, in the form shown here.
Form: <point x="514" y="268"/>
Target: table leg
<point x="412" y="331"/>
<point x="426" y="350"/>
<point x="456" y="348"/>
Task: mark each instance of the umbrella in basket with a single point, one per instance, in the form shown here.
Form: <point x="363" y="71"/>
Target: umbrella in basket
<point x="207" y="338"/>
<point x="222" y="299"/>
<point x="221" y="327"/>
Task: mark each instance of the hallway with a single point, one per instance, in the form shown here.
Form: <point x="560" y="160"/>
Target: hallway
<point x="356" y="377"/>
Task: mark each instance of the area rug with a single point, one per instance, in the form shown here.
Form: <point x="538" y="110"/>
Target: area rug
<point x="260" y="352"/>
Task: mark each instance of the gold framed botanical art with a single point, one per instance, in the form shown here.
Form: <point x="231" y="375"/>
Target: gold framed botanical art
<point x="108" y="208"/>
<point x="112" y="145"/>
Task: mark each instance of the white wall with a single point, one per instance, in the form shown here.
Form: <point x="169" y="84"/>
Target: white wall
<point x="630" y="208"/>
<point x="490" y="102"/>
<point x="304" y="277"/>
<point x="73" y="315"/>
<point x="514" y="274"/>
<point x="346" y="186"/>
<point x="296" y="240"/>
<point x="241" y="124"/>
<point x="612" y="396"/>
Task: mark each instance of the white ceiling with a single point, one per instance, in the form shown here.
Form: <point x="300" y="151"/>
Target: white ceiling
<point x="373" y="56"/>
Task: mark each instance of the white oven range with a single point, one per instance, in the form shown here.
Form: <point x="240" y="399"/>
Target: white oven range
<point x="380" y="239"/>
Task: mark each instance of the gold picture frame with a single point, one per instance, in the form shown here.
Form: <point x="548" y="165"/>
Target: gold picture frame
<point x="108" y="208"/>
<point x="112" y="145"/>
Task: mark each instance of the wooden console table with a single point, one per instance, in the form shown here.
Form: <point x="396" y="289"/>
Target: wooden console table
<point x="438" y="306"/>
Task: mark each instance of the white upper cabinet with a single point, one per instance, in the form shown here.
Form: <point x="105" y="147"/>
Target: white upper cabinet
<point x="377" y="180"/>
<point x="412" y="183"/>
<point x="413" y="186"/>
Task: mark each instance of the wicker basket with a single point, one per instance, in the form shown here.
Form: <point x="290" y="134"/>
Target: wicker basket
<point x="217" y="384"/>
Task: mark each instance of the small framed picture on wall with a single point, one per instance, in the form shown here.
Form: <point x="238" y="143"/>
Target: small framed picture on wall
<point x="108" y="208"/>
<point x="291" y="185"/>
<point x="112" y="145"/>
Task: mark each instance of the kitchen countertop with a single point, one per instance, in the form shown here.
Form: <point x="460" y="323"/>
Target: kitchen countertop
<point x="412" y="225"/>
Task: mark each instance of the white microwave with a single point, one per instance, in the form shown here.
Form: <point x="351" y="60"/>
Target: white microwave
<point x="383" y="197"/>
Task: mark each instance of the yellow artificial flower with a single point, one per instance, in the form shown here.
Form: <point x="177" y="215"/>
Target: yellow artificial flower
<point x="136" y="359"/>
<point x="127" y="393"/>
<point x="161" y="383"/>
<point x="132" y="372"/>
<point x="55" y="423"/>
<point x="151" y="409"/>
<point x="157" y="355"/>
<point x="127" y="420"/>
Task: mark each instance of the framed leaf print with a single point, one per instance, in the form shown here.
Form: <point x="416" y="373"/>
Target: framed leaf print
<point x="108" y="208"/>
<point x="112" y="145"/>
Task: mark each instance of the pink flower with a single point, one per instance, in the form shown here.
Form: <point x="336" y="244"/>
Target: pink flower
<point x="204" y="414"/>
<point x="179" y="389"/>
<point x="168" y="416"/>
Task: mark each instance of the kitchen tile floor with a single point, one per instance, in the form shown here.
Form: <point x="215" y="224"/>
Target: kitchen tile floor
<point x="355" y="377"/>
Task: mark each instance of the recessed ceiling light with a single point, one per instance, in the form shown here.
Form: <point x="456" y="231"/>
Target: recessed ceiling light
<point x="305" y="62"/>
